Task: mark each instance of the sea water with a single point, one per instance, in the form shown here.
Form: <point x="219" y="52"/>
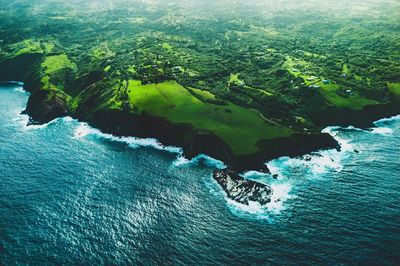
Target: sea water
<point x="70" y="194"/>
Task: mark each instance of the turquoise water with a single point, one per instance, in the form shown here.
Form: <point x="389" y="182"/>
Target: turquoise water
<point x="71" y="195"/>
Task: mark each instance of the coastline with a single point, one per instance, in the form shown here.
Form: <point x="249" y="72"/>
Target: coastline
<point x="299" y="188"/>
<point x="242" y="186"/>
<point x="143" y="126"/>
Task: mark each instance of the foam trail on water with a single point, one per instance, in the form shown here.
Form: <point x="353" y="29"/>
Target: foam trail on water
<point x="21" y="119"/>
<point x="316" y="165"/>
<point x="281" y="192"/>
<point x="382" y="130"/>
<point x="385" y="121"/>
<point x="255" y="211"/>
<point x="344" y="143"/>
<point x="181" y="161"/>
<point x="312" y="166"/>
<point x="42" y="126"/>
<point x="254" y="175"/>
<point x="21" y="90"/>
<point x="83" y="130"/>
<point x="384" y="126"/>
<point x="201" y="158"/>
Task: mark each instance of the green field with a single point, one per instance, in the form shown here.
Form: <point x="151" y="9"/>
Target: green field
<point x="330" y="91"/>
<point x="54" y="66"/>
<point x="353" y="101"/>
<point x="56" y="63"/>
<point x="231" y="66"/>
<point x="203" y="95"/>
<point x="234" y="80"/>
<point x="239" y="127"/>
<point x="394" y="89"/>
<point x="30" y="46"/>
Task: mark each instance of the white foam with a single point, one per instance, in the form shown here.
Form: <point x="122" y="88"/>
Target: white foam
<point x="68" y="119"/>
<point x="207" y="160"/>
<point x="255" y="175"/>
<point x="384" y="126"/>
<point x="17" y="83"/>
<point x="387" y="120"/>
<point x="83" y="130"/>
<point x="21" y="90"/>
<point x="335" y="133"/>
<point x="36" y="127"/>
<point x="381" y="127"/>
<point x="280" y="194"/>
<point x="181" y="161"/>
<point x="315" y="166"/>
<point x="382" y="131"/>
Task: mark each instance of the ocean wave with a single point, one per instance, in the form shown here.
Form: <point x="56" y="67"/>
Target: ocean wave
<point x="199" y="159"/>
<point x="11" y="83"/>
<point x="389" y="120"/>
<point x="42" y="126"/>
<point x="385" y="126"/>
<point x="21" y="90"/>
<point x="382" y="130"/>
<point x="382" y="126"/>
<point x="84" y="130"/>
<point x="255" y="211"/>
<point x="255" y="175"/>
<point x="17" y="83"/>
<point x="317" y="164"/>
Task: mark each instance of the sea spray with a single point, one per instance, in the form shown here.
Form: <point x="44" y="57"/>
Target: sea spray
<point x="281" y="192"/>
<point x="385" y="126"/>
<point x="208" y="161"/>
<point x="281" y="178"/>
<point x="313" y="166"/>
<point x="83" y="130"/>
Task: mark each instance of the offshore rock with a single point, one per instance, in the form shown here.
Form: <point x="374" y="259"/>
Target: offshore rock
<point x="242" y="190"/>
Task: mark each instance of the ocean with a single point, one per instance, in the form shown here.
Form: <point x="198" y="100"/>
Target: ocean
<point x="70" y="194"/>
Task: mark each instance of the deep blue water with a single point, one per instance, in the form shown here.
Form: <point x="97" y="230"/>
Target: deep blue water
<point x="71" y="195"/>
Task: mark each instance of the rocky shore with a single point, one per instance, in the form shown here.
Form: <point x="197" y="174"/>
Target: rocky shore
<point x="193" y="143"/>
<point x="242" y="190"/>
<point x="46" y="105"/>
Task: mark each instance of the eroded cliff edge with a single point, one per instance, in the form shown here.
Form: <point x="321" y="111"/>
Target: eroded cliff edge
<point x="47" y="103"/>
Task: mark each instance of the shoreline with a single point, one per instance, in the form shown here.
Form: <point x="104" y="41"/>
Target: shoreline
<point x="170" y="135"/>
<point x="242" y="188"/>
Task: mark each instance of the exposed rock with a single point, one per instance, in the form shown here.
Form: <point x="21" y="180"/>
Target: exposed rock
<point x="44" y="106"/>
<point x="242" y="190"/>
